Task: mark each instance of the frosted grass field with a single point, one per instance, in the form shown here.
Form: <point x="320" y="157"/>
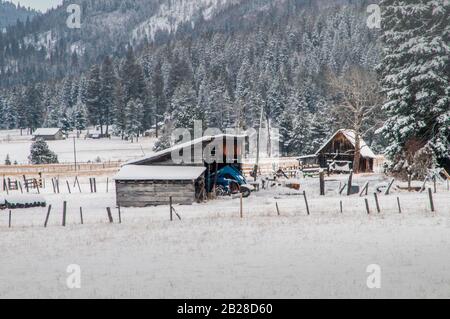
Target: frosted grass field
<point x="114" y="149"/>
<point x="212" y="253"/>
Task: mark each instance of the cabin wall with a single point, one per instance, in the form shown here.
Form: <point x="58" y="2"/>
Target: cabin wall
<point x="153" y="193"/>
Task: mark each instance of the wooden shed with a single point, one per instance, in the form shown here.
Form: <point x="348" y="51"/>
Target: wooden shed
<point x="48" y="134"/>
<point x="141" y="186"/>
<point x="181" y="172"/>
<point x="341" y="147"/>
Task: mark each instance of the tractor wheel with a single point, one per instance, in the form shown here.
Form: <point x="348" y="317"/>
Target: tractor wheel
<point x="245" y="192"/>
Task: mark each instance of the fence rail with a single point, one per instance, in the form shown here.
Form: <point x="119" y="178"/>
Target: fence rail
<point x="58" y="168"/>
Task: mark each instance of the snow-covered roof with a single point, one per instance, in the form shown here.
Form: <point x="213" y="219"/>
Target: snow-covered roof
<point x="159" y="173"/>
<point x="351" y="137"/>
<point x="179" y="147"/>
<point x="46" y="131"/>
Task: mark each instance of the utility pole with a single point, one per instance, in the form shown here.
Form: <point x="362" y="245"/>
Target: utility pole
<point x="258" y="143"/>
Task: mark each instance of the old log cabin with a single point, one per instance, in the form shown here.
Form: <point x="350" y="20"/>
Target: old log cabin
<point x="341" y="147"/>
<point x="181" y="172"/>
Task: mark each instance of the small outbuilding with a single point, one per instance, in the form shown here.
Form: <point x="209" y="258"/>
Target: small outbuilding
<point x="183" y="172"/>
<point x="48" y="134"/>
<point x="141" y="186"/>
<point x="340" y="147"/>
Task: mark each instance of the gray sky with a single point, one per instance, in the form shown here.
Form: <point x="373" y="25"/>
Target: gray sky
<point x="42" y="5"/>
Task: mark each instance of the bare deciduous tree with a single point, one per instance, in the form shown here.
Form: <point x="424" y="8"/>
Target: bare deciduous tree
<point x="358" y="104"/>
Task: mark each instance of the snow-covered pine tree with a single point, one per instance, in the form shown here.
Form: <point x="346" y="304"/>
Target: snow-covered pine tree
<point x="108" y="83"/>
<point x="93" y="92"/>
<point x="133" y="115"/>
<point x="415" y="72"/>
<point x="80" y="116"/>
<point x="41" y="154"/>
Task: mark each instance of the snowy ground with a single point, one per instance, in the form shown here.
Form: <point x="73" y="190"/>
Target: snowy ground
<point x="18" y="148"/>
<point x="213" y="253"/>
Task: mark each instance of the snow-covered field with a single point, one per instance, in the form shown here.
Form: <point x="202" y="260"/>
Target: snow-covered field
<point x="212" y="252"/>
<point x="18" y="148"/>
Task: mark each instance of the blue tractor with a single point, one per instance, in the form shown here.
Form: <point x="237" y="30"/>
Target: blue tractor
<point x="229" y="180"/>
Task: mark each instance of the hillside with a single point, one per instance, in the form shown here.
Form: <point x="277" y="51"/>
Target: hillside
<point x="10" y="14"/>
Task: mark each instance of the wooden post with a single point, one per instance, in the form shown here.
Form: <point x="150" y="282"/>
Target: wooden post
<point x="81" y="215"/>
<point x="399" y="207"/>
<point x="120" y="215"/>
<point x="342" y="208"/>
<point x="377" y="202"/>
<point x="90" y="183"/>
<point x="108" y="209"/>
<point x="342" y="189"/>
<point x="349" y="184"/>
<point x="306" y="202"/>
<point x="95" y="185"/>
<point x="430" y="195"/>
<point x="434" y="184"/>
<point x="241" y="208"/>
<point x="388" y="189"/>
<point x="68" y="187"/>
<point x="64" y="213"/>
<point x="409" y="182"/>
<point x="78" y="183"/>
<point x="278" y="209"/>
<point x="367" y="206"/>
<point x="322" y="183"/>
<point x="48" y="215"/>
<point x="57" y="184"/>
<point x="9" y="221"/>
<point x="107" y="184"/>
<point x="53" y="184"/>
<point x="20" y="186"/>
<point x="365" y="189"/>
<point x="170" y="205"/>
<point x="424" y="184"/>
<point x="37" y="185"/>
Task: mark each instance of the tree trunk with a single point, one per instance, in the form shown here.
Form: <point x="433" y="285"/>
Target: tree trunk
<point x="357" y="157"/>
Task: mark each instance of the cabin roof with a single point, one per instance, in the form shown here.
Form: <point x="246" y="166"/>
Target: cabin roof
<point x="179" y="147"/>
<point x="46" y="131"/>
<point x="160" y="173"/>
<point x="351" y="137"/>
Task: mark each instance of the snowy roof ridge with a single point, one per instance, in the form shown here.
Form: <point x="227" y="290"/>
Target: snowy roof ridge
<point x="46" y="131"/>
<point x="351" y="137"/>
<point x="181" y="146"/>
<point x="159" y="173"/>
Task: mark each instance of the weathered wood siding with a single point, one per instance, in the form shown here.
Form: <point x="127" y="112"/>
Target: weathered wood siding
<point x="153" y="193"/>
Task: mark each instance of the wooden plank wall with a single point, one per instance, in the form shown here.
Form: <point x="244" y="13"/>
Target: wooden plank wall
<point x="153" y="193"/>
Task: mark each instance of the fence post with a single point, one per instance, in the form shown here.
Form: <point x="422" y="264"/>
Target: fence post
<point x="108" y="209"/>
<point x="388" y="189"/>
<point x="120" y="215"/>
<point x="241" y="208"/>
<point x="81" y="215"/>
<point x="342" y="209"/>
<point x="9" y="221"/>
<point x="399" y="207"/>
<point x="68" y="187"/>
<point x="48" y="215"/>
<point x="306" y="202"/>
<point x="377" y="203"/>
<point x="322" y="183"/>
<point x="349" y="185"/>
<point x="367" y="206"/>
<point x="430" y="195"/>
<point x="64" y="213"/>
<point x="278" y="209"/>
<point x="170" y="206"/>
<point x="107" y="184"/>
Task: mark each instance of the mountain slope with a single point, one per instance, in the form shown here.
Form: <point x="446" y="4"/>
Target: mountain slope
<point x="9" y="14"/>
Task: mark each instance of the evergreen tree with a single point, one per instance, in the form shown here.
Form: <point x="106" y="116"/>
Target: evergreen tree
<point x="41" y="154"/>
<point x="415" y="74"/>
<point x="93" y="92"/>
<point x="108" y="84"/>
